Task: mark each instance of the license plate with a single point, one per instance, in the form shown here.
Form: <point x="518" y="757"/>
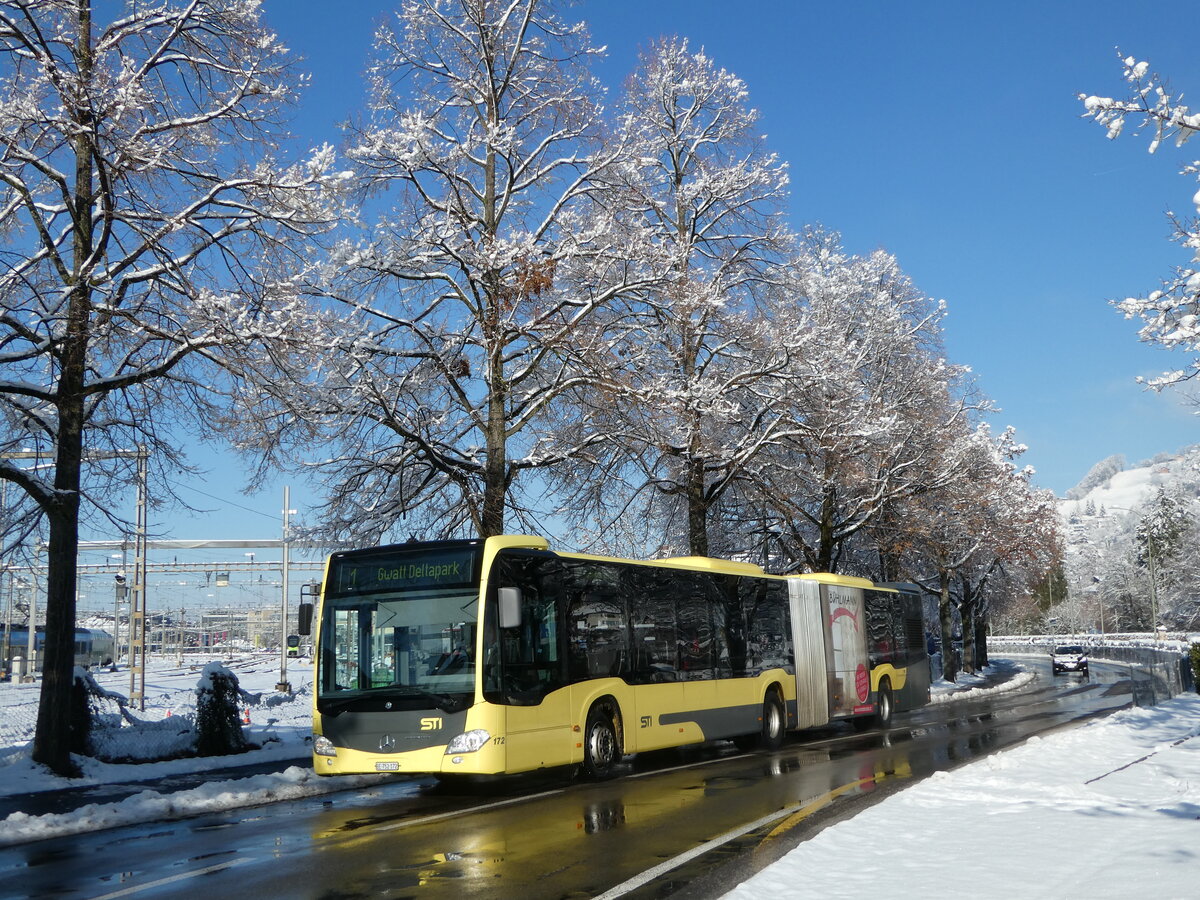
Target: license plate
<point x="387" y="767"/>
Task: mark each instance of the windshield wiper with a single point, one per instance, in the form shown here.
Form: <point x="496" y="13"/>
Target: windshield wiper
<point x="445" y="702"/>
<point x="334" y="705"/>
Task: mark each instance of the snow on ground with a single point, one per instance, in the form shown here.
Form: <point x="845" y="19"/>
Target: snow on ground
<point x="1108" y="809"/>
<point x="944" y="692"/>
<point x="280" y="723"/>
<point x="1105" y="810"/>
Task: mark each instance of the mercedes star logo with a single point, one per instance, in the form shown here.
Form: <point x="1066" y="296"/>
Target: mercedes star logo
<point x="387" y="744"/>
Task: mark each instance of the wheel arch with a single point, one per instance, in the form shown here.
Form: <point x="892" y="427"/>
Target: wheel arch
<point x="774" y="686"/>
<point x="885" y="688"/>
<point x="612" y="706"/>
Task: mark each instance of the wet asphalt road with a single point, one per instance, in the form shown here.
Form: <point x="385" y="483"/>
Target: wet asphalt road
<point x="693" y="822"/>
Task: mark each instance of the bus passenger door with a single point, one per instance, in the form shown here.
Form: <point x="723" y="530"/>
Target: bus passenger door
<point x="538" y="713"/>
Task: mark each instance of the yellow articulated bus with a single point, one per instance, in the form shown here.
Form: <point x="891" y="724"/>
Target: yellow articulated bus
<point x="497" y="656"/>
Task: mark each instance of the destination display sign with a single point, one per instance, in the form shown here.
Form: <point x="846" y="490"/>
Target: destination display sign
<point x="405" y="570"/>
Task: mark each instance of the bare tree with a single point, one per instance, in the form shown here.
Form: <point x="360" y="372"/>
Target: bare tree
<point x="684" y="378"/>
<point x="1024" y="546"/>
<point x="147" y="230"/>
<point x="876" y="407"/>
<point x="442" y="378"/>
<point x="960" y="536"/>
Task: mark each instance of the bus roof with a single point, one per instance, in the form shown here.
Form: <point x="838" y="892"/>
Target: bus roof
<point x="844" y="580"/>
<point x="704" y="563"/>
<point x="710" y="564"/>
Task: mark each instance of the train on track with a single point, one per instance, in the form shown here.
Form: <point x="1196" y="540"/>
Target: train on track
<point x="93" y="647"/>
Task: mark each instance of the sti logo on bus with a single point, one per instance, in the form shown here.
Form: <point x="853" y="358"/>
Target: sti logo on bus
<point x="431" y="723"/>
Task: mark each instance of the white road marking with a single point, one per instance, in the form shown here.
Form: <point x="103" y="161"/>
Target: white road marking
<point x="138" y="888"/>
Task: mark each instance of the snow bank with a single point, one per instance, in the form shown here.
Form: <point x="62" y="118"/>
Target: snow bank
<point x="150" y="806"/>
<point x="1106" y="810"/>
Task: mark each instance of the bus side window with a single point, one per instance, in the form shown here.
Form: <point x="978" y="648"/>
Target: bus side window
<point x="769" y="640"/>
<point x="597" y="626"/>
<point x="882" y="619"/>
<point x="654" y="653"/>
<point x="695" y="627"/>
<point x="728" y="625"/>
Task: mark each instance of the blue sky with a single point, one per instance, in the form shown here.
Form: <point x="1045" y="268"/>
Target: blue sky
<point x="947" y="133"/>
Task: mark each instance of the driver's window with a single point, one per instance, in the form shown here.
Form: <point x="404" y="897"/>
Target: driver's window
<point x="530" y="659"/>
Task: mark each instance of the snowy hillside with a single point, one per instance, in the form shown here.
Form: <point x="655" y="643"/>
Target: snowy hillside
<point x="1103" y="561"/>
<point x="1119" y="488"/>
<point x="1101" y="504"/>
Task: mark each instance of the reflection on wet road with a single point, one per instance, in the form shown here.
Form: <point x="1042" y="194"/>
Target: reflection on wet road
<point x="670" y="819"/>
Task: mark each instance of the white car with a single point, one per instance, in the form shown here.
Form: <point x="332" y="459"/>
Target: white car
<point x="1069" y="658"/>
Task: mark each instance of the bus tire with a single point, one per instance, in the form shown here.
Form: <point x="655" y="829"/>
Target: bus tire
<point x="774" y="722"/>
<point x="884" y="704"/>
<point x="770" y="733"/>
<point x="601" y="746"/>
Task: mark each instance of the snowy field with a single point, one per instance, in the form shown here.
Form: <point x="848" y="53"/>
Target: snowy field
<point x="1104" y="810"/>
<point x="280" y="723"/>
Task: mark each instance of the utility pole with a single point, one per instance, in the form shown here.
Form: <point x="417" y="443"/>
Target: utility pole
<point x="120" y="594"/>
<point x="31" y="646"/>
<point x="137" y="603"/>
<point x="1153" y="588"/>
<point x="181" y="631"/>
<point x="8" y="607"/>
<point x="284" y="687"/>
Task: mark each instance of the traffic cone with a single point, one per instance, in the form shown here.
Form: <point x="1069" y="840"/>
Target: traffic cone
<point x="246" y="717"/>
<point x="169" y="713"/>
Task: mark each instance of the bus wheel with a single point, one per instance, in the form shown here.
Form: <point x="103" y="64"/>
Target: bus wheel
<point x="884" y="704"/>
<point x="774" y="722"/>
<point x="600" y="751"/>
<point x="770" y="735"/>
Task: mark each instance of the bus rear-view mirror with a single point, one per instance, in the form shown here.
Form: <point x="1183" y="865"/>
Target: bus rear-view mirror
<point x="304" y="617"/>
<point x="508" y="599"/>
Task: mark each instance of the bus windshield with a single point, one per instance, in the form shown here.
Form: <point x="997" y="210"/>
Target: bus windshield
<point x="424" y="640"/>
<point x="402" y="624"/>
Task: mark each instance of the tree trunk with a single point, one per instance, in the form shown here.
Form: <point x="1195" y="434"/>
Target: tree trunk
<point x="889" y="559"/>
<point x="697" y="508"/>
<point x="52" y="737"/>
<point x="495" y="468"/>
<point x="968" y="611"/>
<point x="495" y="475"/>
<point x="825" y="542"/>
<point x="946" y="617"/>
<point x="495" y="486"/>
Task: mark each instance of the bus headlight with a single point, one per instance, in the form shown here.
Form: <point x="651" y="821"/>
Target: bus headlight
<point x="323" y="746"/>
<point x="468" y="742"/>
